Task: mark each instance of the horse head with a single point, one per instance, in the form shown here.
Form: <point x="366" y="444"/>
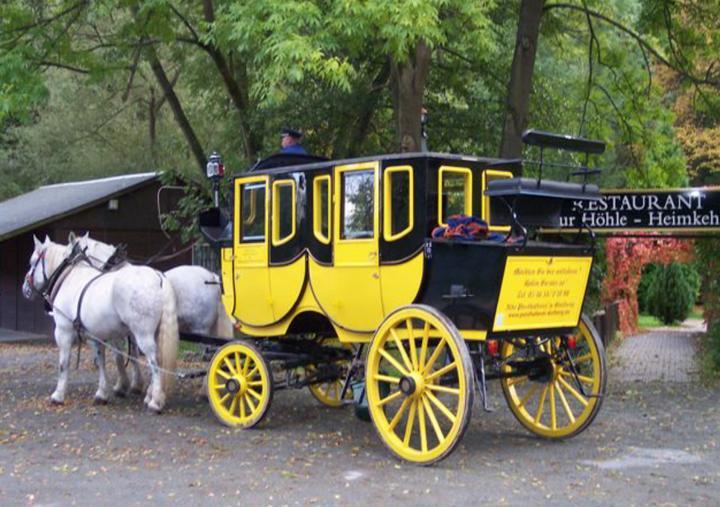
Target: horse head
<point x="38" y="274"/>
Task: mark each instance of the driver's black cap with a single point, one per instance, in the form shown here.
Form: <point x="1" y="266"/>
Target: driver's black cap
<point x="291" y="132"/>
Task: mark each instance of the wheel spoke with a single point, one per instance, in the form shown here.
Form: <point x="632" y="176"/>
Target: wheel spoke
<point x="433" y="357"/>
<point x="444" y="389"/>
<point x="237" y="363"/>
<point x="413" y="349"/>
<point x="252" y="372"/>
<point x="574" y="392"/>
<point x="531" y="392"/>
<point x="399" y="414"/>
<point x="388" y="399"/>
<point x="233" y="403"/>
<point x="246" y="366"/>
<point x="553" y="409"/>
<point x="583" y="358"/>
<point x="390" y="359"/>
<point x="410" y="423"/>
<point x="564" y="402"/>
<point x="516" y="380"/>
<point x="386" y="378"/>
<point x="255" y="383"/>
<point x="433" y="420"/>
<point x="225" y="397"/>
<point x="424" y="345"/>
<point x="242" y="407"/>
<point x="250" y="403"/>
<point x="401" y="348"/>
<point x="541" y="405"/>
<point x="254" y="394"/>
<point x="582" y="378"/>
<point x="423" y="429"/>
<point x="229" y="366"/>
<point x="222" y="374"/>
<point x="441" y="406"/>
<point x="442" y="371"/>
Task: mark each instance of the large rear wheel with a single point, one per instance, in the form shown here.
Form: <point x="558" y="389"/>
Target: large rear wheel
<point x="562" y="391"/>
<point x="419" y="380"/>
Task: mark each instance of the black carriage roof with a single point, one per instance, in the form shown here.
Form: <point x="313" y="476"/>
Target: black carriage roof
<point x="302" y="165"/>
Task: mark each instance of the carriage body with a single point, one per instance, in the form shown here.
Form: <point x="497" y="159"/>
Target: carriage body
<point x="343" y="244"/>
<point x="344" y="251"/>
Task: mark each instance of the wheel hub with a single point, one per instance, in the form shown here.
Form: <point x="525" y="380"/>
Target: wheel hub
<point x="236" y="385"/>
<point x="412" y="385"/>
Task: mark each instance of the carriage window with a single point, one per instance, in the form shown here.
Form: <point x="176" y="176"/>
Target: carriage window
<point x="455" y="192"/>
<point x="283" y="223"/>
<point x="357" y="205"/>
<point x="321" y="209"/>
<point x="252" y="225"/>
<point x="397" y="202"/>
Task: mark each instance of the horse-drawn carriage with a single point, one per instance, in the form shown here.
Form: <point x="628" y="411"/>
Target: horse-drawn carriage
<point x="359" y="272"/>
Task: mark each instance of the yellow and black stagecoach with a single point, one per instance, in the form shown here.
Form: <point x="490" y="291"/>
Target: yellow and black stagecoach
<point x="349" y="273"/>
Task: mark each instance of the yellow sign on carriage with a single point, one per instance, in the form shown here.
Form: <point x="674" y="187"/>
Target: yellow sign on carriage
<point x="541" y="292"/>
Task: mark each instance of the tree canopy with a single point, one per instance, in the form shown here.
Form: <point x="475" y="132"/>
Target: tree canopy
<point x="98" y="88"/>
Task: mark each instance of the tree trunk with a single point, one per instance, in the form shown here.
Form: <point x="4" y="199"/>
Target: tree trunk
<point x="237" y="88"/>
<point x="517" y="103"/>
<point x="182" y="120"/>
<point x="407" y="83"/>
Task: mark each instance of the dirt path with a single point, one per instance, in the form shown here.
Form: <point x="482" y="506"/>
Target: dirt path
<point x="652" y="443"/>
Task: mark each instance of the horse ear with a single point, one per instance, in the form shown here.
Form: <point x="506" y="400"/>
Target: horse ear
<point x="71" y="237"/>
<point x="47" y="240"/>
<point x="87" y="235"/>
<point x="37" y="243"/>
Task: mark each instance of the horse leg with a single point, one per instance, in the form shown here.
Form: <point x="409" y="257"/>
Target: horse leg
<point x="64" y="340"/>
<point x="155" y="397"/>
<point x="136" y="382"/>
<point x="122" y="384"/>
<point x="101" y="395"/>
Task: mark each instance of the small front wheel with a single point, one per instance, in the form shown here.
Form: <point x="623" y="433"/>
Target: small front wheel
<point x="419" y="380"/>
<point x="239" y="385"/>
<point x="562" y="392"/>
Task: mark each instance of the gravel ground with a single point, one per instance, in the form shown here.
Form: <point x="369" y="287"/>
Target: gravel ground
<point x="652" y="443"/>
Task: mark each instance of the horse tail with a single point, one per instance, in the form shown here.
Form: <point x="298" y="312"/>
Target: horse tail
<point x="167" y="337"/>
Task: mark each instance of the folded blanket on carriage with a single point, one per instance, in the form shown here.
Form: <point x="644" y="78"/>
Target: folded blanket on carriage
<point x="465" y="227"/>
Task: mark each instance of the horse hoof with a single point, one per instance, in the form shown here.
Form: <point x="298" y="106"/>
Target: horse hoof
<point x="136" y="391"/>
<point x="120" y="393"/>
<point x="56" y="403"/>
<point x="153" y="409"/>
<point x="100" y="401"/>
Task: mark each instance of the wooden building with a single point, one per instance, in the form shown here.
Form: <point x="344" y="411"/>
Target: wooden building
<point x="122" y="209"/>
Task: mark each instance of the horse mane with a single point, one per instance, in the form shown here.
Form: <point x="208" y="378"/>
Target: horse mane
<point x="54" y="255"/>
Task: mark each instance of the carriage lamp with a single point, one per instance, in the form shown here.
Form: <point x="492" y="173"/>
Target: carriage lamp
<point x="215" y="170"/>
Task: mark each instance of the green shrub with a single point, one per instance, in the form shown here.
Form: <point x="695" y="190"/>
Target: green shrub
<point x="642" y="292"/>
<point x="671" y="293"/>
<point x="711" y="347"/>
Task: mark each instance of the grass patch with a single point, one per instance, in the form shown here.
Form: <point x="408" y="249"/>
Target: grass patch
<point x="645" y="320"/>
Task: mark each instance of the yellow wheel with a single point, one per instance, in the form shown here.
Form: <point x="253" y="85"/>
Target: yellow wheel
<point x="239" y="385"/>
<point x="419" y="380"/>
<point x="552" y="401"/>
<point x="328" y="393"/>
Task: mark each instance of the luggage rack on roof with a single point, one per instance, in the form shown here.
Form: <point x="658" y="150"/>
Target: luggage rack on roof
<point x="538" y="202"/>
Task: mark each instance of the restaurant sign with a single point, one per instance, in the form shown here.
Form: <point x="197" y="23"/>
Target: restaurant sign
<point x="690" y="210"/>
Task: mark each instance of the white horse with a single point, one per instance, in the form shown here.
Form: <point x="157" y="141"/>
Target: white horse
<point x="197" y="293"/>
<point x="135" y="301"/>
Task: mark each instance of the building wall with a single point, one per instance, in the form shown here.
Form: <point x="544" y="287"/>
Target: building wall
<point x="134" y="223"/>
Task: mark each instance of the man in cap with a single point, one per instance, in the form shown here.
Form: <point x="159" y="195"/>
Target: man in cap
<point x="291" y="140"/>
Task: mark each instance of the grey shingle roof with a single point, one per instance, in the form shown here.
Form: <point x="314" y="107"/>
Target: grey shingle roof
<point x="52" y="202"/>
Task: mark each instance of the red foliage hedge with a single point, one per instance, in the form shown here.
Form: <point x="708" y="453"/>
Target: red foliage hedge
<point x="626" y="257"/>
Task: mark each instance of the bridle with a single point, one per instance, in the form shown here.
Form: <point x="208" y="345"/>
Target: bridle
<point x="50" y="283"/>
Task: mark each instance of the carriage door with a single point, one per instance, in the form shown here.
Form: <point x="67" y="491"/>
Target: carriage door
<point x="356" y="227"/>
<point x="251" y="276"/>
